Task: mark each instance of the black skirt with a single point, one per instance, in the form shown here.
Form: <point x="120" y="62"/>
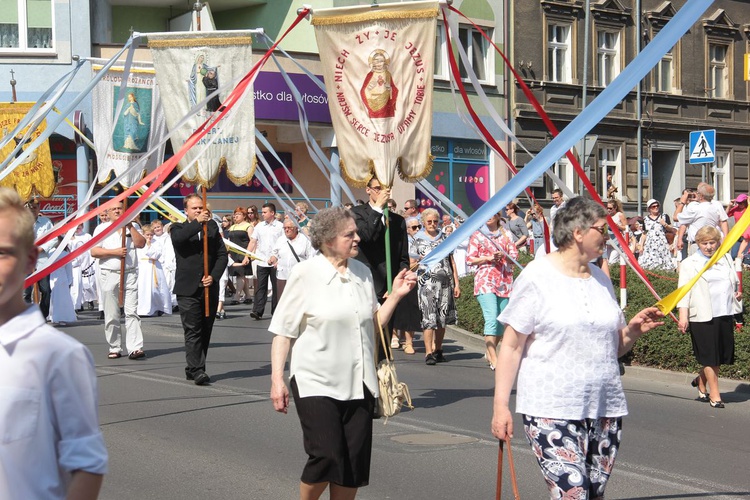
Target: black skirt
<point x="407" y="316"/>
<point x="713" y="341"/>
<point x="337" y="437"/>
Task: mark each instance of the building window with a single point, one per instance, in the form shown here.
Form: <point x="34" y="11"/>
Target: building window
<point x="477" y="50"/>
<point x="607" y="56"/>
<point x="559" y="52"/>
<point x="26" y="25"/>
<point x="665" y="73"/>
<point x="608" y="164"/>
<point x="718" y="70"/>
<point x="720" y="177"/>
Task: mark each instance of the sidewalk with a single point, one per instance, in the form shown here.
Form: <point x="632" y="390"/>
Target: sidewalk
<point x="476" y="343"/>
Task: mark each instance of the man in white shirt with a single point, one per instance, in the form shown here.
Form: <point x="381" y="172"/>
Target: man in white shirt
<point x="557" y="203"/>
<point x="703" y="211"/>
<point x="110" y="253"/>
<point x="264" y="237"/>
<point x="289" y="250"/>
<point x="52" y="446"/>
<point x="42" y="225"/>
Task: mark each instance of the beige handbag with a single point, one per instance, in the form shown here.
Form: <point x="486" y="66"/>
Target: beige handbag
<point x="393" y="394"/>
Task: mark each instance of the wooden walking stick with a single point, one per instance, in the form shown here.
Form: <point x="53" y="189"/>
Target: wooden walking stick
<point x="123" y="258"/>
<point x="514" y="483"/>
<point x="205" y="253"/>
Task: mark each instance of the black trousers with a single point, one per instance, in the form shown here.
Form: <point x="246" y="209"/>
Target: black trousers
<point x="261" y="293"/>
<point x="197" y="327"/>
<point x="45" y="291"/>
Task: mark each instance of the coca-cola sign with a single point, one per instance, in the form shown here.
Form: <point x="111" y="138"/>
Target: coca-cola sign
<point x="57" y="208"/>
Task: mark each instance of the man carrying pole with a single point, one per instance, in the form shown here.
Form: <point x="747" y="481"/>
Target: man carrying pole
<point x="197" y="288"/>
<point x="118" y="270"/>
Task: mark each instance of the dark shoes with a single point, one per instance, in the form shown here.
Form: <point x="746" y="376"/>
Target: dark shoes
<point x="439" y="356"/>
<point x="430" y="360"/>
<point x="256" y="316"/>
<point x="137" y="354"/>
<point x="114" y="355"/>
<point x="716" y="404"/>
<point x="702" y="396"/>
<point x="201" y="378"/>
<point x="221" y="315"/>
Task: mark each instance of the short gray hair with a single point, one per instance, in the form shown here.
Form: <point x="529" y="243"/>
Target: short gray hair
<point x="578" y="213"/>
<point x="326" y="224"/>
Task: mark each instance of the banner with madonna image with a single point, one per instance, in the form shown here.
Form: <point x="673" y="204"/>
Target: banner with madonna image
<point x="378" y="68"/>
<point x="189" y="67"/>
<point x="122" y="141"/>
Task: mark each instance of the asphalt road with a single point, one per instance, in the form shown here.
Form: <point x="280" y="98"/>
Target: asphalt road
<point x="170" y="439"/>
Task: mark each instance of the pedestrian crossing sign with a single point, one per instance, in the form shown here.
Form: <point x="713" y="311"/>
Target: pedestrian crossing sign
<point x="703" y="146"/>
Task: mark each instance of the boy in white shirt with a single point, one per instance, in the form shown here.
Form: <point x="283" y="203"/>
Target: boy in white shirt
<point x="52" y="446"/>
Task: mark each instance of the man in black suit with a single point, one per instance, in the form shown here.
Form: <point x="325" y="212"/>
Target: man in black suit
<point x="187" y="239"/>
<point x="371" y="230"/>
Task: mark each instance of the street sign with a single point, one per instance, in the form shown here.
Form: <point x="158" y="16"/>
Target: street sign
<point x="703" y="146"/>
<point x="645" y="167"/>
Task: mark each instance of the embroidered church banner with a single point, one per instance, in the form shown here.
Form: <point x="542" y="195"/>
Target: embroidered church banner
<point x="189" y="67"/>
<point x="123" y="140"/>
<point x="378" y="69"/>
<point x="35" y="176"/>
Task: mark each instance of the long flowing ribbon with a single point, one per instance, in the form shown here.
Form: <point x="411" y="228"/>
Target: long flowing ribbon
<point x="582" y="124"/>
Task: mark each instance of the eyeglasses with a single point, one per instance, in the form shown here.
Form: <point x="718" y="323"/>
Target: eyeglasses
<point x="408" y="208"/>
<point x="430" y="222"/>
<point x="610" y="208"/>
<point x="414" y="228"/>
<point x="600" y="229"/>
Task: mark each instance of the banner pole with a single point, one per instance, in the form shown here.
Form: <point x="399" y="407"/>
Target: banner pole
<point x="206" y="294"/>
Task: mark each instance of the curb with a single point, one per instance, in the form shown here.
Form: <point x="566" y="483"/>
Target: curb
<point x="476" y="343"/>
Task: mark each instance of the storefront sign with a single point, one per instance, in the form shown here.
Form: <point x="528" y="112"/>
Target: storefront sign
<point x="274" y="100"/>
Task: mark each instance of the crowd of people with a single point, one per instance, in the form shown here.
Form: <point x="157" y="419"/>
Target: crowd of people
<point x="299" y="262"/>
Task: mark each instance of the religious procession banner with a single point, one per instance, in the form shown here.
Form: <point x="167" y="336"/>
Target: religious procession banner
<point x="122" y="141"/>
<point x="378" y="69"/>
<point x="189" y="67"/>
<point x="33" y="177"/>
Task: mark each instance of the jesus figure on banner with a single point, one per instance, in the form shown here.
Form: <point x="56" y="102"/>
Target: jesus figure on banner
<point x="378" y="92"/>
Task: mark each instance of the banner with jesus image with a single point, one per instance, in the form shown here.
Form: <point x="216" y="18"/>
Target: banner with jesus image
<point x="191" y="66"/>
<point x="378" y="69"/>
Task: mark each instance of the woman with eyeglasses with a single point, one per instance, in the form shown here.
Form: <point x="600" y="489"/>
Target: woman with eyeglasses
<point x="656" y="254"/>
<point x="438" y="289"/>
<point x="493" y="279"/>
<point x="407" y="317"/>
<point x="564" y="332"/>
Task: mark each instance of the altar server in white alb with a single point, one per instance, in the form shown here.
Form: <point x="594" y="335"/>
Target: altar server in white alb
<point x="61" y="310"/>
<point x="167" y="259"/>
<point x="154" y="295"/>
<point x="84" y="282"/>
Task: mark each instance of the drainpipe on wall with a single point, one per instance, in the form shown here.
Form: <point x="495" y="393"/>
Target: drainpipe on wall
<point x="586" y="35"/>
<point x="638" y="110"/>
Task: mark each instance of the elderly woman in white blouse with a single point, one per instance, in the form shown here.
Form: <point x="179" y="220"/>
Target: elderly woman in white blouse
<point x="564" y="332"/>
<point x="707" y="311"/>
<point x="329" y="313"/>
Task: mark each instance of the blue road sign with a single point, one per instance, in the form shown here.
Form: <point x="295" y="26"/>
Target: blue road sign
<point x="703" y="146"/>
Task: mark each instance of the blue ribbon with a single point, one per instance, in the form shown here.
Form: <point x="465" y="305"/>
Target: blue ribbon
<point x="579" y="127"/>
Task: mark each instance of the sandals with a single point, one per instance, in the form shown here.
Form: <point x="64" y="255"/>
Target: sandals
<point x="408" y="349"/>
<point x="137" y="354"/>
<point x="114" y="355"/>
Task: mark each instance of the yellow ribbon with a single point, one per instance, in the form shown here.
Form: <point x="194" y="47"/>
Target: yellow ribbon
<point x="669" y="302"/>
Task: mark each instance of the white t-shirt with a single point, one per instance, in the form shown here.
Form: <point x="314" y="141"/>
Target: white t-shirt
<point x="287" y="260"/>
<point x="699" y="214"/>
<point x="48" y="410"/>
<point x="114" y="240"/>
<point x="331" y="317"/>
<point x="569" y="366"/>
